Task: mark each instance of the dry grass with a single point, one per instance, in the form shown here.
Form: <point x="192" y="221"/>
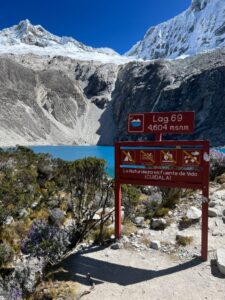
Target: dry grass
<point x="145" y="240"/>
<point x="15" y="232"/>
<point x="106" y="234"/>
<point x="128" y="227"/>
<point x="184" y="240"/>
<point x="56" y="290"/>
<point x="40" y="214"/>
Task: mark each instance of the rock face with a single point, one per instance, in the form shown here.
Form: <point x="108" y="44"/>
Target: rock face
<point x="201" y="27"/>
<point x="51" y="100"/>
<point x="195" y="84"/>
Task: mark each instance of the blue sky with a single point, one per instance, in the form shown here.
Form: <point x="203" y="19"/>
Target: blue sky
<point x="117" y="24"/>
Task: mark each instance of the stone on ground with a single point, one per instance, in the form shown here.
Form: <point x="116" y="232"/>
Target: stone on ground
<point x="194" y="213"/>
<point x="117" y="246"/>
<point x="158" y="224"/>
<point x="155" y="245"/>
<point x="220" y="257"/>
<point x="139" y="220"/>
<point x="212" y="213"/>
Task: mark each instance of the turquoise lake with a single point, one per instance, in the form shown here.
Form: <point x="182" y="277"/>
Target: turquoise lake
<point x="77" y="152"/>
<point x="222" y="150"/>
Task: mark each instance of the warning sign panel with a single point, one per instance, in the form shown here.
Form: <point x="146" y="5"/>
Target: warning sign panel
<point x="176" y="163"/>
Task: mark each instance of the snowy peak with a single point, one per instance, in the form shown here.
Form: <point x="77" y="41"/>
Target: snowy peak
<point x="27" y="38"/>
<point x="35" y="35"/>
<point x="198" y="29"/>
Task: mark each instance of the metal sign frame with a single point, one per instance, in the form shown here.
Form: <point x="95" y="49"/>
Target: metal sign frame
<point x="138" y="177"/>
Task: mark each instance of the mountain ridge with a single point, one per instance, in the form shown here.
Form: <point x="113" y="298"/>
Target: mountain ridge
<point x="198" y="29"/>
<point x="27" y="38"/>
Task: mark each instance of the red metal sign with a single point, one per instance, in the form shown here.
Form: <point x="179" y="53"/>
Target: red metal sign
<point x="171" y="163"/>
<point x="182" y="164"/>
<point x="161" y="122"/>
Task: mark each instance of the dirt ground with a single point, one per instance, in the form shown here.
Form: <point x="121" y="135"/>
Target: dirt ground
<point x="129" y="274"/>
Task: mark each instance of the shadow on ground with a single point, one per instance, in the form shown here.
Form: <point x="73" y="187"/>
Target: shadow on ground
<point x="77" y="266"/>
<point x="215" y="271"/>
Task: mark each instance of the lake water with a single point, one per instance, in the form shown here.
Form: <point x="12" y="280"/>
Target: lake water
<point x="222" y="150"/>
<point x="77" y="152"/>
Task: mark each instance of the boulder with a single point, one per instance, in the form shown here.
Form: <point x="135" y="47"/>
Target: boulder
<point x="224" y="212"/>
<point x="34" y="205"/>
<point x="116" y="246"/>
<point x="23" y="213"/>
<point x="194" y="213"/>
<point x="212" y="203"/>
<point x="139" y="220"/>
<point x="220" y="258"/>
<point x="158" y="224"/>
<point x="155" y="245"/>
<point x="96" y="217"/>
<point x="212" y="213"/>
<point x="140" y="232"/>
<point x="9" y="220"/>
<point x="56" y="216"/>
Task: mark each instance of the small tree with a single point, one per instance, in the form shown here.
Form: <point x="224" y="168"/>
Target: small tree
<point x="90" y="190"/>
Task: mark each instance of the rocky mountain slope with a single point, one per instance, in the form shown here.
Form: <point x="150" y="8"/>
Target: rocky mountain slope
<point x="200" y="28"/>
<point x="50" y="95"/>
<point x="53" y="101"/>
<point x="195" y="84"/>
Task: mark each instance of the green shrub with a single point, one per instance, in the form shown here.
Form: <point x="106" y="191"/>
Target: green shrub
<point x="106" y="234"/>
<point x="217" y="164"/>
<point x="171" y="197"/>
<point x="184" y="240"/>
<point x="130" y="199"/>
<point x="161" y="212"/>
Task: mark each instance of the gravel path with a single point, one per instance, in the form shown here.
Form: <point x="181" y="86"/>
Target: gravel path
<point x="131" y="274"/>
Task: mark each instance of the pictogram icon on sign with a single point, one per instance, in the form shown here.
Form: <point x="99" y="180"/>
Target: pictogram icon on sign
<point x="191" y="158"/>
<point x="147" y="157"/>
<point x="168" y="157"/>
<point x="136" y="123"/>
<point x="128" y="157"/>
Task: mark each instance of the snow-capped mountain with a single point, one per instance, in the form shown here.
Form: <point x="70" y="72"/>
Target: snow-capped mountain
<point x="200" y="28"/>
<point x="27" y="38"/>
